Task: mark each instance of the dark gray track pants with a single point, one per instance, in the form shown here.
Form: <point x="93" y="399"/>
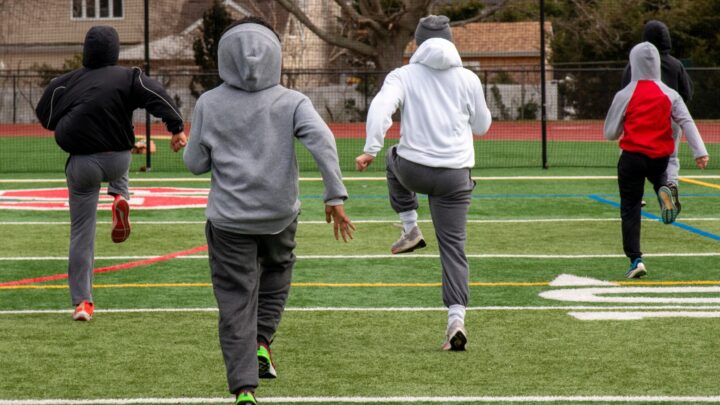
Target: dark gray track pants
<point x="251" y="277"/>
<point x="449" y="192"/>
<point x="84" y="174"/>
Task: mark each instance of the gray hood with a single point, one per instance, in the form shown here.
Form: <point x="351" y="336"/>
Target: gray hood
<point x="645" y="62"/>
<point x="437" y="53"/>
<point x="250" y="57"/>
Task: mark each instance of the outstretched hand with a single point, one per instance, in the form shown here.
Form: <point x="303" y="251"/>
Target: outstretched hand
<point x="341" y="223"/>
<point x="363" y="161"/>
<point x="702" y="161"/>
<point x="178" y="141"/>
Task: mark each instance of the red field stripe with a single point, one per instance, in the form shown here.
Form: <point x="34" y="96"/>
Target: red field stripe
<point x="108" y="269"/>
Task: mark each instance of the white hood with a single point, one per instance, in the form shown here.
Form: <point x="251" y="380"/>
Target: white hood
<point x="442" y="104"/>
<point x="437" y="53"/>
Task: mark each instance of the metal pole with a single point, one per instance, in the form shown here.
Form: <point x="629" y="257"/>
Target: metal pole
<point x="543" y="111"/>
<point x="148" y="159"/>
<point x="15" y="98"/>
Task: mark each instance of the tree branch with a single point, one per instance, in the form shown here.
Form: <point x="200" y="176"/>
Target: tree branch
<point x="337" y="40"/>
<point x="360" y="19"/>
<point x="483" y="14"/>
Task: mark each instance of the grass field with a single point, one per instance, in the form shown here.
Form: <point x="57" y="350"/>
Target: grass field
<point x="366" y="327"/>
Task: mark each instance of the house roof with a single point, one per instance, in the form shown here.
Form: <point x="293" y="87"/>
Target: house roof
<point x="179" y="46"/>
<point x="171" y="47"/>
<point x="519" y="39"/>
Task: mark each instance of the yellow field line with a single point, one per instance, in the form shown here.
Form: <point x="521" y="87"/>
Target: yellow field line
<point x="699" y="183"/>
<point x="359" y="285"/>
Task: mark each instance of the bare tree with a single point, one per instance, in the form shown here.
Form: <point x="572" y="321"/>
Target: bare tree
<point x="378" y="30"/>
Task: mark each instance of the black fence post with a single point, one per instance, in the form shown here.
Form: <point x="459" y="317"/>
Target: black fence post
<point x="15" y="78"/>
<point x="148" y="152"/>
<point x="543" y="111"/>
<point x="366" y="87"/>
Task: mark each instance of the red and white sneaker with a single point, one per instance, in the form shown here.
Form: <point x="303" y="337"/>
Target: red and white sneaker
<point x="84" y="311"/>
<point x="120" y="219"/>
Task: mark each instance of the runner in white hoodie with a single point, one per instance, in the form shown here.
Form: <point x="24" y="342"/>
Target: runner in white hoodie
<point x="442" y="104"/>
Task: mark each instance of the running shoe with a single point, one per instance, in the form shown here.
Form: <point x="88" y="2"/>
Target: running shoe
<point x="266" y="367"/>
<point x="637" y="269"/>
<point x="408" y="241"/>
<point x="456" y="337"/>
<point x="120" y="219"/>
<point x="668" y="209"/>
<point x="84" y="311"/>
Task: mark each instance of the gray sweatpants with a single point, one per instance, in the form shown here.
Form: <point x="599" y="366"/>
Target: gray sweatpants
<point x="672" y="173"/>
<point x="84" y="174"/>
<point x="251" y="277"/>
<point x="449" y="192"/>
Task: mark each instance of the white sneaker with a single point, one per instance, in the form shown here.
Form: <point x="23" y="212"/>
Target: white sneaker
<point x="408" y="241"/>
<point x="456" y="337"/>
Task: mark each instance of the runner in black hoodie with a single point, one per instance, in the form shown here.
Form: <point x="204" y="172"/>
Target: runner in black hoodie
<point x="90" y="109"/>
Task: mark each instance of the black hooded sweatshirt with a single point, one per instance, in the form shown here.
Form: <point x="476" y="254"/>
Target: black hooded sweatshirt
<point x="90" y="109"/>
<point x="672" y="71"/>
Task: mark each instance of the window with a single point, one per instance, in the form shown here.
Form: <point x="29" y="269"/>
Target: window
<point x="94" y="9"/>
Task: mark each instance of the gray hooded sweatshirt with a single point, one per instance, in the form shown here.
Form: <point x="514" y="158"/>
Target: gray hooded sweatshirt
<point x="243" y="132"/>
<point x="642" y="112"/>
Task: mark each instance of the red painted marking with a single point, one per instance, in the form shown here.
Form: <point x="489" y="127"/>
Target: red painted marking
<point x="108" y="269"/>
<point x="141" y="198"/>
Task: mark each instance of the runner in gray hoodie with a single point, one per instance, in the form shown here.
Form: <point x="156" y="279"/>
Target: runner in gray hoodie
<point x="243" y="132"/>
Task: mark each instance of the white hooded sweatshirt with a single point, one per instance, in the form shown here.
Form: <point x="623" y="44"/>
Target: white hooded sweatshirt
<point x="442" y="105"/>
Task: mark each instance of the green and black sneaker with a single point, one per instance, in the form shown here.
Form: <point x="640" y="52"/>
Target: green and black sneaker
<point x="245" y="398"/>
<point x="266" y="367"/>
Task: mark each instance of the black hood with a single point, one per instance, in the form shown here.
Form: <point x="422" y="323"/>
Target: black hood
<point x="102" y="47"/>
<point x="657" y="34"/>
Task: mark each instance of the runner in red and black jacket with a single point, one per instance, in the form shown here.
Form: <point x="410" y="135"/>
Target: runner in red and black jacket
<point x="643" y="112"/>
<point x="672" y="73"/>
<point x="90" y="109"/>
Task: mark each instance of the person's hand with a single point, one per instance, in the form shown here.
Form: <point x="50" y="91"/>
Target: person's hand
<point x="363" y="161"/>
<point x="341" y="223"/>
<point x="178" y="141"/>
<point x="702" y="161"/>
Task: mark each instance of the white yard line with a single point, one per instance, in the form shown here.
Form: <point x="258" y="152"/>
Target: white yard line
<point x="379" y="309"/>
<point x="388" y="256"/>
<point x="369" y="399"/>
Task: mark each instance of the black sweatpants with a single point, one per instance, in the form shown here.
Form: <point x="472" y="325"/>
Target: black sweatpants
<point x="633" y="169"/>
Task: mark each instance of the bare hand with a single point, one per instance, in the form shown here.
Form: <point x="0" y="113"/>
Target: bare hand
<point x="341" y="223"/>
<point x="702" y="161"/>
<point x="178" y="141"/>
<point x="363" y="161"/>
